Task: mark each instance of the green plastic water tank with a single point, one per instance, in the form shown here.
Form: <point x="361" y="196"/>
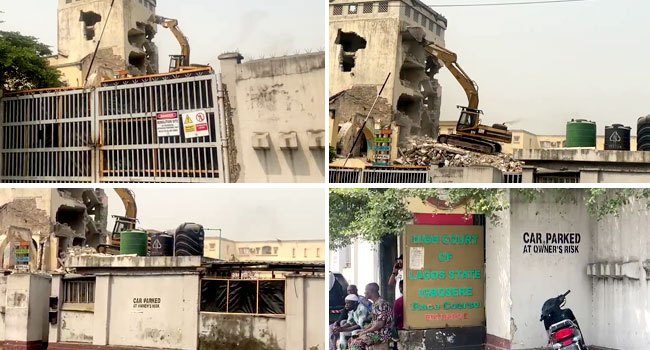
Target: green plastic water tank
<point x="580" y="133"/>
<point x="133" y="242"/>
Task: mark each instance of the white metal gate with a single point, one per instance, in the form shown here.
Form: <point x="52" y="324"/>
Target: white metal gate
<point x="109" y="134"/>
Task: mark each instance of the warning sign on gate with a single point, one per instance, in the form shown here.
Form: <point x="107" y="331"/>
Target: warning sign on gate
<point x="167" y="124"/>
<point x="195" y="124"/>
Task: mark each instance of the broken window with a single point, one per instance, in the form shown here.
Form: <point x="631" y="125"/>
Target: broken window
<point x="260" y="297"/>
<point x="352" y="9"/>
<point x="79" y="290"/>
<point x="367" y="7"/>
<point x="337" y="10"/>
<point x="350" y="44"/>
<point x="90" y="19"/>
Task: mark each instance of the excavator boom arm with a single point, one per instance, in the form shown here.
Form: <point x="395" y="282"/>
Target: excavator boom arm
<point x="172" y="25"/>
<point x="450" y="60"/>
<point x="127" y="197"/>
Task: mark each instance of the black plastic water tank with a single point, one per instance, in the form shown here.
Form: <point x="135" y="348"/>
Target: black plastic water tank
<point x="162" y="245"/>
<point x="189" y="240"/>
<point x="643" y="134"/>
<point x="617" y="137"/>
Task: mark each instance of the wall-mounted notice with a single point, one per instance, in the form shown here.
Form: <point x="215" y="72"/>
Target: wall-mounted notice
<point x="146" y="303"/>
<point x="444" y="282"/>
<point x="167" y="124"/>
<point x="551" y="243"/>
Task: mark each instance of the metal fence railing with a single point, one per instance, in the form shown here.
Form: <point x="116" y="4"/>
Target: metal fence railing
<point x="379" y="175"/>
<point x="112" y="133"/>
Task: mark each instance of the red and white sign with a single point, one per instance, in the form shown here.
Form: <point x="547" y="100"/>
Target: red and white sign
<point x="167" y="124"/>
<point x="195" y="124"/>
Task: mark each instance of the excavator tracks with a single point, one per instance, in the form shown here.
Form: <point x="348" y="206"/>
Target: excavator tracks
<point x="469" y="143"/>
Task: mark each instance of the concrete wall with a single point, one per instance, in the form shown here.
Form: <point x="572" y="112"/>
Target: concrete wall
<point x="291" y="250"/>
<point x="280" y="98"/>
<point x="363" y="259"/>
<point x="118" y="321"/>
<point x="498" y="302"/>
<point x="536" y="277"/>
<point x="475" y="174"/>
<point x="621" y="305"/>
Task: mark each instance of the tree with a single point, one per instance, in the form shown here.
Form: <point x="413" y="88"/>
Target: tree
<point x="23" y="64"/>
<point x="371" y="214"/>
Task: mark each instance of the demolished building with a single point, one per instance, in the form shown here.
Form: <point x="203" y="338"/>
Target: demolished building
<point x="51" y="221"/>
<point x="369" y="40"/>
<point x="126" y="46"/>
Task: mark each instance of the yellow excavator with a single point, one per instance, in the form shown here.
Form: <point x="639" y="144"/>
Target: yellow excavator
<point x="182" y="61"/>
<point x="122" y="223"/>
<point x="470" y="134"/>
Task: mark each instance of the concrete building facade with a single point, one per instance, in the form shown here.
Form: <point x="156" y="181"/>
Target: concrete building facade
<point x="278" y="117"/>
<point x="369" y="40"/>
<point x="272" y="250"/>
<point x="126" y="46"/>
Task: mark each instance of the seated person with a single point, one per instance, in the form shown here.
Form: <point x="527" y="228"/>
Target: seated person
<point x="379" y="331"/>
<point x="358" y="317"/>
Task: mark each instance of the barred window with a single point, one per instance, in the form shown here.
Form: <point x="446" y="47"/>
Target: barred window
<point x="431" y="25"/>
<point x="352" y="9"/>
<point x="424" y="21"/>
<point x="407" y="11"/>
<point x="259" y="297"/>
<point x="416" y="16"/>
<point x="338" y="10"/>
<point x="367" y="7"/>
<point x="439" y="31"/>
<point x="383" y="6"/>
<point x="79" y="290"/>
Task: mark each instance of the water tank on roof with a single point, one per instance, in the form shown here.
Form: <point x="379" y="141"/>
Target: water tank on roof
<point x="643" y="134"/>
<point x="617" y="137"/>
<point x="133" y="242"/>
<point x="162" y="245"/>
<point x="580" y="133"/>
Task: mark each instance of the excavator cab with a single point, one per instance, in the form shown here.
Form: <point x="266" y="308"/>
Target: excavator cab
<point x="469" y="119"/>
<point x="122" y="223"/>
<point x="176" y="62"/>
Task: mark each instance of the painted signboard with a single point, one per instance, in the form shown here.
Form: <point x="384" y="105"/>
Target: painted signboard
<point x="444" y="282"/>
<point x="195" y="124"/>
<point x="551" y="242"/>
<point x="167" y="124"/>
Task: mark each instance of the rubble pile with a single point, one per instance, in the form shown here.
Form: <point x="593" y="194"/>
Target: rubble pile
<point x="424" y="151"/>
<point x="83" y="251"/>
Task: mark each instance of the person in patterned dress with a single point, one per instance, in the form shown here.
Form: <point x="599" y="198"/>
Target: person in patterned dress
<point x="382" y="320"/>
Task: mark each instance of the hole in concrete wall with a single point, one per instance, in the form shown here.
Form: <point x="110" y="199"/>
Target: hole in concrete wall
<point x="73" y="217"/>
<point x="90" y="19"/>
<point x="410" y="106"/>
<point x="136" y="37"/>
<point x="138" y="60"/>
<point x="431" y="67"/>
<point x="350" y="44"/>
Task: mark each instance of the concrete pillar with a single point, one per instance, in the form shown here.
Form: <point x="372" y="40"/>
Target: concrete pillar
<point x="295" y="312"/>
<point x="229" y="62"/>
<point x="56" y="291"/>
<point x="528" y="175"/>
<point x="102" y="307"/>
<point x="589" y="176"/>
<point x="497" y="281"/>
<point x="26" y="311"/>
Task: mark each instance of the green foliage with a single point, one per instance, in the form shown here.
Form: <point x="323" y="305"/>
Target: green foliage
<point x="332" y="154"/>
<point x="603" y="202"/>
<point x="370" y="214"/>
<point x="23" y="64"/>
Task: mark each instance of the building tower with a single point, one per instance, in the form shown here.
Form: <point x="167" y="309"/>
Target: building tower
<point x="368" y="40"/>
<point x="126" y="46"/>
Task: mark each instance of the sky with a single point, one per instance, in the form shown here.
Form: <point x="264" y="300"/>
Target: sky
<point x="538" y="66"/>
<point x="242" y="214"/>
<point x="254" y="27"/>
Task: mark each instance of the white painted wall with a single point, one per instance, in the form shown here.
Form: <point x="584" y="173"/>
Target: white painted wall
<point x="538" y="277"/>
<point x="77" y="326"/>
<point x="27" y="307"/>
<point x="621" y="307"/>
<point x="364" y="262"/>
<point x="173" y="326"/>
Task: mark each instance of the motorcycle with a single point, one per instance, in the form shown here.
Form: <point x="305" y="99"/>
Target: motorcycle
<point x="561" y="325"/>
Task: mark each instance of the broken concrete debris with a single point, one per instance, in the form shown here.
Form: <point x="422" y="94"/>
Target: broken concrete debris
<point x="424" y="151"/>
